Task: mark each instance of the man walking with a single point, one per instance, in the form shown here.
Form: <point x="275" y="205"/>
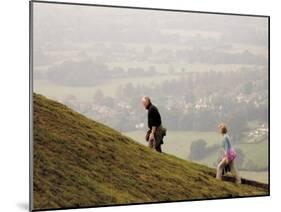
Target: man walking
<point x="156" y="132"/>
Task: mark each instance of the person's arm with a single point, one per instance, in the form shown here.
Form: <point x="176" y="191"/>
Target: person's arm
<point x="226" y="147"/>
<point x="151" y="136"/>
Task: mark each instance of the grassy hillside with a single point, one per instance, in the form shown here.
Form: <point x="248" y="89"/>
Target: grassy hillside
<point x="79" y="162"/>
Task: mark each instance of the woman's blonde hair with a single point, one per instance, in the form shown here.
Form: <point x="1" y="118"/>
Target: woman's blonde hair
<point x="222" y="128"/>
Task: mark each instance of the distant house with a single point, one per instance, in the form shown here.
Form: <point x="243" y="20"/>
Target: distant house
<point x="258" y="132"/>
<point x="201" y="106"/>
<point x="242" y="98"/>
<point x="124" y="105"/>
<point x="139" y="126"/>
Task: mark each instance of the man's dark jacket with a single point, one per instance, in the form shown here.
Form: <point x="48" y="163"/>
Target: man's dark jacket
<point x="154" y="118"/>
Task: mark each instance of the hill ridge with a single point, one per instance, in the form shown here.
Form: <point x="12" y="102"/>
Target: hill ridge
<point x="79" y="162"/>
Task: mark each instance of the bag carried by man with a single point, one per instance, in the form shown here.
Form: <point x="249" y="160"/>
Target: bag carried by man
<point x="160" y="133"/>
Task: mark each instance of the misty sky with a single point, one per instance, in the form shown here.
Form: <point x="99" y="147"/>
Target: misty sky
<point x="82" y="24"/>
<point x="98" y="39"/>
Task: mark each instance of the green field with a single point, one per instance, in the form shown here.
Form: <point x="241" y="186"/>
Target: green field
<point x="179" y="66"/>
<point x="178" y="143"/>
<point x="85" y="93"/>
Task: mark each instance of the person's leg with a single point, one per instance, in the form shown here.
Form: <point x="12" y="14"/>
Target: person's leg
<point x="151" y="143"/>
<point x="234" y="172"/>
<point x="158" y="148"/>
<point x="220" y="168"/>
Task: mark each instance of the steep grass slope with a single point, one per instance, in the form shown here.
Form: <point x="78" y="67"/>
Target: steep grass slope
<point x="79" y="162"/>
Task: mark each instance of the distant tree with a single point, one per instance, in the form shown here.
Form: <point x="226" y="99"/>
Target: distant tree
<point x="108" y="101"/>
<point x="129" y="90"/>
<point x="248" y="88"/>
<point x="237" y="123"/>
<point x="197" y="149"/>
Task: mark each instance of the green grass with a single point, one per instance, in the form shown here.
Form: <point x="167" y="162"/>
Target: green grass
<point x="80" y="162"/>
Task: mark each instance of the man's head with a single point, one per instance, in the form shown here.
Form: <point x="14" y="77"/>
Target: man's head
<point x="146" y="101"/>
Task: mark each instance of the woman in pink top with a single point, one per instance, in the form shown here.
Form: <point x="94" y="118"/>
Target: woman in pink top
<point x="229" y="156"/>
